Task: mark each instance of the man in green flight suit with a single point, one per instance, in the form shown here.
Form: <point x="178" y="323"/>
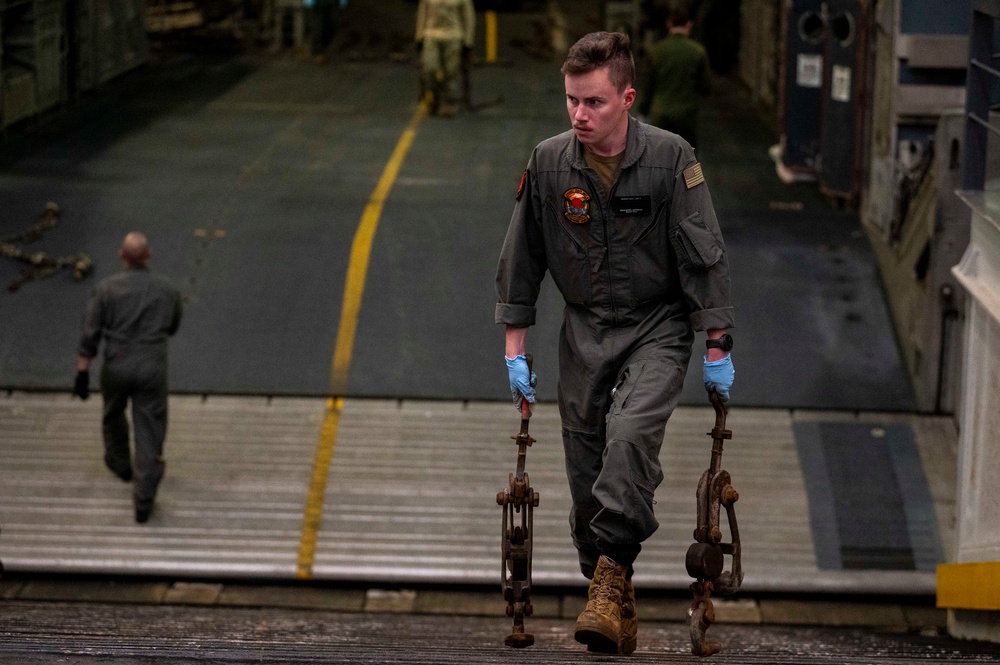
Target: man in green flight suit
<point x="133" y="312"/>
<point x="619" y="213"/>
<point x="677" y="78"/>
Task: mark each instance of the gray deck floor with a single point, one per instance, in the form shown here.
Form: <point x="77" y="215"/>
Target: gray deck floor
<point x="250" y="176"/>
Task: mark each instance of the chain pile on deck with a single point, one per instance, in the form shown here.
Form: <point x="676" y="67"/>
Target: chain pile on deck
<point x="39" y="265"/>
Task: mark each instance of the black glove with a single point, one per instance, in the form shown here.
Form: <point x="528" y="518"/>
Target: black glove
<point x="81" y="388"/>
<point x="420" y="47"/>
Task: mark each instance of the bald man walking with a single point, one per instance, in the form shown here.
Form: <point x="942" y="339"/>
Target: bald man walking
<point x="134" y="312"/>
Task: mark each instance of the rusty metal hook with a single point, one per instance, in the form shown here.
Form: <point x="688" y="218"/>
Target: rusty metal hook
<point x="518" y="501"/>
<point x="705" y="559"/>
<point x="702" y="615"/>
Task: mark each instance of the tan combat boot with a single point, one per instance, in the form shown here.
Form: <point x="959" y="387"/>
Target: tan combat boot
<point x="600" y="625"/>
<point x="630" y="621"/>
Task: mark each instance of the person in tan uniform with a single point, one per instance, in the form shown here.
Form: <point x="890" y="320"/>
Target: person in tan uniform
<point x="445" y="33"/>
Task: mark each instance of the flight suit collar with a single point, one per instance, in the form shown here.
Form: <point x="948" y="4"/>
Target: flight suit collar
<point x="635" y="144"/>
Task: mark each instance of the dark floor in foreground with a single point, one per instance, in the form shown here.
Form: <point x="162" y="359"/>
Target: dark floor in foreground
<point x="103" y="633"/>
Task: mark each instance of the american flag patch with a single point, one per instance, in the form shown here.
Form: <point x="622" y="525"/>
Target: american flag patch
<point x="693" y="176"/>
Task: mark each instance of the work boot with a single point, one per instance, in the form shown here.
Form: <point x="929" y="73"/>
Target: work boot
<point x="142" y="514"/>
<point x="600" y="625"/>
<point x="123" y="472"/>
<point x="630" y="621"/>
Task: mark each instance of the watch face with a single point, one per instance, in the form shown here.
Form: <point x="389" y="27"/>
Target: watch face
<point x="725" y="343"/>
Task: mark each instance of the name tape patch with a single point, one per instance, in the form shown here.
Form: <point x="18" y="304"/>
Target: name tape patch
<point x="632" y="206"/>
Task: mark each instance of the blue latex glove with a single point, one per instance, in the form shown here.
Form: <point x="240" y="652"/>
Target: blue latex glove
<point x="718" y="376"/>
<point x="520" y="381"/>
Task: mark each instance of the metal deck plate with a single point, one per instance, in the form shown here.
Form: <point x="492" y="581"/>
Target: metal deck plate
<point x="410" y="495"/>
<point x="870" y="506"/>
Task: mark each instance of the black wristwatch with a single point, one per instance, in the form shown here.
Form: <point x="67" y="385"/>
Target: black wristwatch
<point x="725" y="343"/>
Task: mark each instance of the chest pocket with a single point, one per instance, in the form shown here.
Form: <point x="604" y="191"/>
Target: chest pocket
<point x="697" y="248"/>
<point x="567" y="256"/>
<point x="650" y="267"/>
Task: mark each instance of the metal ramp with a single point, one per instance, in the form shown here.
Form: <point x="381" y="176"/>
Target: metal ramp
<point x="410" y="494"/>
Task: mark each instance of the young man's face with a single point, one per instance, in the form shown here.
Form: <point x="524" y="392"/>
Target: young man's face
<point x="598" y="110"/>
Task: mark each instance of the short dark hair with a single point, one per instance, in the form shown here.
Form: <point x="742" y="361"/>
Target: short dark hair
<point x="680" y="12"/>
<point x="602" y="49"/>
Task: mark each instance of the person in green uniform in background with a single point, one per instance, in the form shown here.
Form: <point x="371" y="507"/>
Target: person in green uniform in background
<point x="678" y="77"/>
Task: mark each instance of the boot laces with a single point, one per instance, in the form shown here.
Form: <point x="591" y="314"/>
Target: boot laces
<point x="604" y="591"/>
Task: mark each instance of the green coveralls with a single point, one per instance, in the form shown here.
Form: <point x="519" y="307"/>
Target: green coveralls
<point x="134" y="312"/>
<point x="678" y="77"/>
<point x="641" y="268"/>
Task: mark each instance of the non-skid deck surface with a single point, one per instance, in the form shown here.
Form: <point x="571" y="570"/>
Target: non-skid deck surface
<point x="251" y="174"/>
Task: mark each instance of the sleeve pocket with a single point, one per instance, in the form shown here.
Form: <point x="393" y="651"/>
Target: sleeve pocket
<point x="695" y="245"/>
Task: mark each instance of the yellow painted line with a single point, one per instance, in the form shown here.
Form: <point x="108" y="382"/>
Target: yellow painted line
<point x="969" y="586"/>
<point x="491" y="36"/>
<point x="354" y="287"/>
<point x="317" y="488"/>
<point x="361" y="249"/>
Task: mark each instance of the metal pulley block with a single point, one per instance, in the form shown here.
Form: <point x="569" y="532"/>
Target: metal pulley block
<point x="518" y="501"/>
<point x="705" y="560"/>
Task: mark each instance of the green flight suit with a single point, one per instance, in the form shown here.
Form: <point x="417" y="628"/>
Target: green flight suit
<point x="133" y="312"/>
<point x="677" y="78"/>
<point x="641" y="267"/>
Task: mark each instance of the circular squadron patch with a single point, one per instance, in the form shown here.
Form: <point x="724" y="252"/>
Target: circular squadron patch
<point x="577" y="205"/>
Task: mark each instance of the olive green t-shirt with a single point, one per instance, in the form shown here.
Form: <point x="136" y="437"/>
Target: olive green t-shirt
<point x="606" y="167"/>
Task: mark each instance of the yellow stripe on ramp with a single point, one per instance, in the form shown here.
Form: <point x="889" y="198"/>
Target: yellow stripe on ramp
<point x="357" y="270"/>
<point x="317" y="488"/>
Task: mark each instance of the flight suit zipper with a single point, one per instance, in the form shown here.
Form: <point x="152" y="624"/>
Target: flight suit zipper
<point x="605" y="208"/>
<point x="607" y="252"/>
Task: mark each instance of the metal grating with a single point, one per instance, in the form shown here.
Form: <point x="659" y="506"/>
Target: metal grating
<point x="410" y="495"/>
<point x="870" y="506"/>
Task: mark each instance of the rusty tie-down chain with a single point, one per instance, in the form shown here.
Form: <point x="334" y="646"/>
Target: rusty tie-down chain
<point x="39" y="264"/>
<point x="518" y="501"/>
<point x="706" y="558"/>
